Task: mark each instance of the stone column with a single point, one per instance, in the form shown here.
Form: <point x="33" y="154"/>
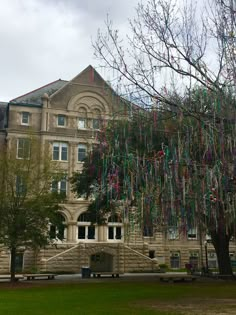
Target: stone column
<point x="102" y="233"/>
<point x="71" y="232"/>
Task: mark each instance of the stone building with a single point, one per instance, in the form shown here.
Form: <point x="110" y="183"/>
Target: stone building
<point x="66" y="116"/>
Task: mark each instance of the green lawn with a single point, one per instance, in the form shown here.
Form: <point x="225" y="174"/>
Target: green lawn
<point x="113" y="298"/>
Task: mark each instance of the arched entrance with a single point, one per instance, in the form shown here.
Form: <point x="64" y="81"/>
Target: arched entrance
<point x="101" y="262"/>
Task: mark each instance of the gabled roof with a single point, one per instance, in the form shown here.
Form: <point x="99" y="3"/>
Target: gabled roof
<point x="89" y="76"/>
<point x="34" y="97"/>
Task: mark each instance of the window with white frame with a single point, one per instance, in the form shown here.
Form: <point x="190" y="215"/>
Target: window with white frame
<point x="23" y="148"/>
<point x="175" y="260"/>
<point x="58" y="230"/>
<point x="192" y="233"/>
<point x="114" y="228"/>
<point x="82" y="152"/>
<point x="61" y="120"/>
<point x="173" y="233"/>
<point x="60" y="186"/>
<point x="212" y="259"/>
<point x="60" y="151"/>
<point x="86" y="231"/>
<point x="25" y="116"/>
<point x="81" y="123"/>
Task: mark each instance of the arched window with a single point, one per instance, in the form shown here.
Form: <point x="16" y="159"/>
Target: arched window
<point x="114" y="228"/>
<point x="82" y="119"/>
<point x="86" y="231"/>
<point x="58" y="231"/>
<point x="96" y="120"/>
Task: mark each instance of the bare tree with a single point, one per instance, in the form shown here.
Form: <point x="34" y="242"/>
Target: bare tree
<point x="191" y="43"/>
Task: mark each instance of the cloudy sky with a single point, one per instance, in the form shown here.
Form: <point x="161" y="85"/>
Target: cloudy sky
<point x="44" y="40"/>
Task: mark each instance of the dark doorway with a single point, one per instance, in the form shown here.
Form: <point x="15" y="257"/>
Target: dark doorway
<point x="101" y="262"/>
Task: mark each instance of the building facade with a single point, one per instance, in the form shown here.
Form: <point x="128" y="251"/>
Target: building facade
<point x="67" y="116"/>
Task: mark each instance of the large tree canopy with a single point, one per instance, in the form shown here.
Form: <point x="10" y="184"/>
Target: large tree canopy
<point x="27" y="204"/>
<point x="176" y="171"/>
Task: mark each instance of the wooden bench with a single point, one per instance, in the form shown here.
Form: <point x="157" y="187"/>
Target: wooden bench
<point x="177" y="278"/>
<point x="33" y="276"/>
<point x="8" y="277"/>
<point x="98" y="274"/>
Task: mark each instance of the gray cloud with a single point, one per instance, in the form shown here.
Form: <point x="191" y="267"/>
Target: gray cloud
<point x="44" y="40"/>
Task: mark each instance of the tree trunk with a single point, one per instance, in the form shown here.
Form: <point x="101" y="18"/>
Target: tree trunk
<point x="13" y="263"/>
<point x="220" y="241"/>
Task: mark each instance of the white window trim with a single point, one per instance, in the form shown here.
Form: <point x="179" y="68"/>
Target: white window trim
<point x="17" y="148"/>
<point x="86" y="151"/>
<point x="115" y="225"/>
<point x="23" y="123"/>
<point x="61" y="126"/>
<point x="85" y="123"/>
<point x="175" y="255"/>
<point x="86" y="239"/>
<point x="57" y="240"/>
<point x="60" y="144"/>
<point x="192" y="238"/>
<point x="59" y="185"/>
<point x="173" y="233"/>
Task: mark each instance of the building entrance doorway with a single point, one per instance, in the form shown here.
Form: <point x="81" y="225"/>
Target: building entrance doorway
<point x="101" y="262"/>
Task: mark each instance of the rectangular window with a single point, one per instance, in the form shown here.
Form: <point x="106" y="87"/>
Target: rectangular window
<point x="81" y="232"/>
<point x="61" y="120"/>
<point x="175" y="260"/>
<point x="114" y="232"/>
<point x="192" y="234"/>
<point x="23" y="148"/>
<point x="82" y="152"/>
<point x="118" y="232"/>
<point x="59" y="186"/>
<point x="110" y="232"/>
<point x="52" y="232"/>
<point x="25" y="118"/>
<point x="96" y="124"/>
<point x="62" y="186"/>
<point x="81" y="123"/>
<point x="91" y="232"/>
<point x="173" y="233"/>
<point x="60" y="151"/>
<point x="54" y="186"/>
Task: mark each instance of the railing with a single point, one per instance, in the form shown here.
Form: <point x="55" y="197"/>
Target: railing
<point x="140" y="254"/>
<point x="58" y="255"/>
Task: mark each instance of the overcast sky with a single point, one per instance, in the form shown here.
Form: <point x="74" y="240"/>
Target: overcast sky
<point x="44" y="40"/>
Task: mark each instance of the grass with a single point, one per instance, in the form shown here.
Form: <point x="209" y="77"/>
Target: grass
<point x="111" y="297"/>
